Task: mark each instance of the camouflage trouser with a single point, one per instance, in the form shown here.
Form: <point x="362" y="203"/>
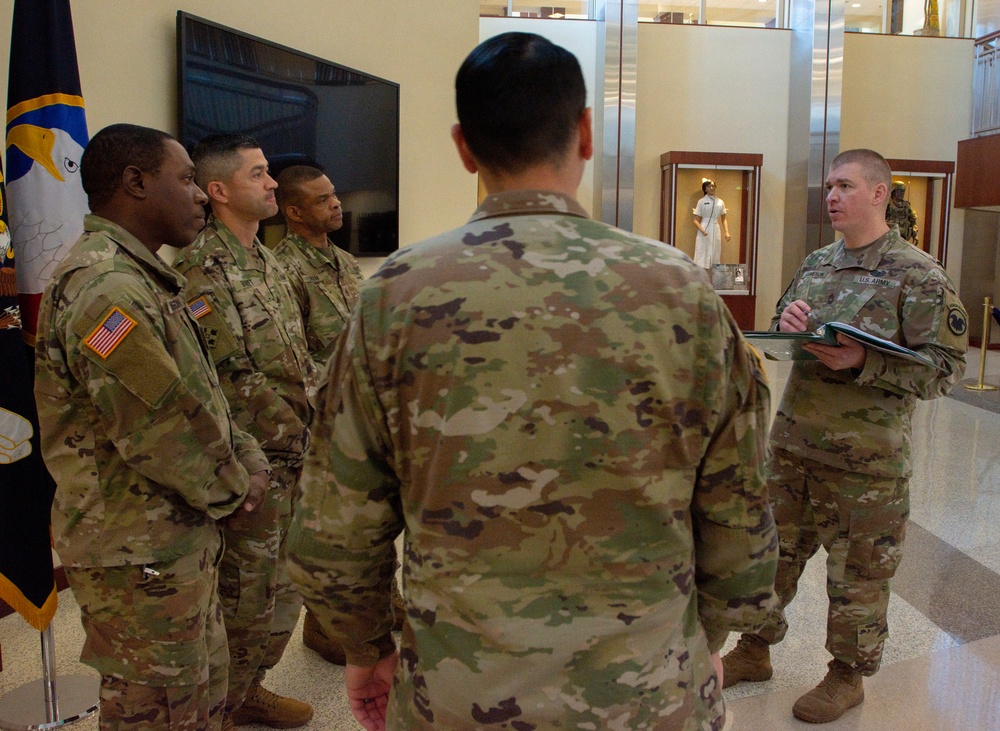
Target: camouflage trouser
<point x="248" y="581"/>
<point x="861" y="521"/>
<point x="158" y="641"/>
<point x="287" y="600"/>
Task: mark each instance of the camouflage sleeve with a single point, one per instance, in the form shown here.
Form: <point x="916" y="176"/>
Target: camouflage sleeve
<point x="286" y="257"/>
<point x="736" y="545"/>
<point x="257" y="408"/>
<point x="934" y="323"/>
<point x="341" y="542"/>
<point x="160" y="427"/>
<point x="248" y="452"/>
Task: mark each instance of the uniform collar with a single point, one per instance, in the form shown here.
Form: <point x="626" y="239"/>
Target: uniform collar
<point x="244" y="258"/>
<point x="134" y="248"/>
<point x="867" y="257"/>
<point x="315" y="257"/>
<point x="526" y="203"/>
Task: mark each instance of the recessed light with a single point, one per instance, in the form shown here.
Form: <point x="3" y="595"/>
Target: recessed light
<point x="855" y="5"/>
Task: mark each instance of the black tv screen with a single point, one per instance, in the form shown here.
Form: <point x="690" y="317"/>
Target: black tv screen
<point x="303" y="111"/>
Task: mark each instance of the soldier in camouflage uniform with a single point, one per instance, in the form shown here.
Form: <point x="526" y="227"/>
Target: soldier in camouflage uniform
<point x="325" y="278"/>
<point x="900" y="214"/>
<point x="242" y="297"/>
<point x="137" y="434"/>
<point x="567" y="421"/>
<point x="840" y="462"/>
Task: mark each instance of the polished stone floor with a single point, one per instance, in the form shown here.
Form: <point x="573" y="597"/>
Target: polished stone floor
<point x="941" y="670"/>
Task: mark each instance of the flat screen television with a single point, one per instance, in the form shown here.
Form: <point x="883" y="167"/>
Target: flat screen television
<point x="303" y="111"/>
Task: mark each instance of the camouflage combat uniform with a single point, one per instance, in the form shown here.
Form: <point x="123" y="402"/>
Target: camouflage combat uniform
<point x="326" y="284"/>
<point x="902" y="217"/>
<point x="840" y="442"/>
<point x="244" y="303"/>
<point x="137" y="434"/>
<point x="569" y="425"/>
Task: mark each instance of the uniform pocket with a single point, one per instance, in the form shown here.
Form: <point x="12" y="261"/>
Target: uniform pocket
<point x="876" y="539"/>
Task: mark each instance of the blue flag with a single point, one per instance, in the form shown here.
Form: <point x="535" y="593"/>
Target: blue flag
<point x="46" y="133"/>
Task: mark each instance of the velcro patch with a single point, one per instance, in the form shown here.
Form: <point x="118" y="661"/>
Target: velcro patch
<point x="956" y="320"/>
<point x="110" y="333"/>
<point x="199" y="307"/>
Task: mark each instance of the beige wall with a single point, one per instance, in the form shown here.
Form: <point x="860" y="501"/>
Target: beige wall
<point x="715" y="89"/>
<point x="127" y="56"/>
<point x="910" y="98"/>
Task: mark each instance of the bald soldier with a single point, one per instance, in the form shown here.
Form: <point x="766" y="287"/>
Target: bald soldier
<point x="567" y="421"/>
<point x="840" y="443"/>
<point x="137" y="434"/>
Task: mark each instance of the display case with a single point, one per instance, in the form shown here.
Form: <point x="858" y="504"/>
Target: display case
<point x="927" y="193"/>
<point x="736" y="177"/>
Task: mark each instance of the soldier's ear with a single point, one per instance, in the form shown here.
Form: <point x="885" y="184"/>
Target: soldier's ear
<point x="291" y="213"/>
<point x="216" y="191"/>
<point x="463" y="149"/>
<point x="880" y="194"/>
<point x="133" y="181"/>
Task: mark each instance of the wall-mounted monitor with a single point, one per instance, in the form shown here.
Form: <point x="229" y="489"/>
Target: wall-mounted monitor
<point x="302" y="110"/>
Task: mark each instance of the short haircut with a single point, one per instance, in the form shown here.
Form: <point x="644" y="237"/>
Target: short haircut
<point x="113" y="149"/>
<point x="290" y="181"/>
<point x="519" y="99"/>
<point x="216" y="157"/>
<point x="874" y="168"/>
<point x="705" y="184"/>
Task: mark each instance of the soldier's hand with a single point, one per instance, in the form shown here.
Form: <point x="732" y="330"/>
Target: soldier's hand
<point x="717" y="664"/>
<point x="795" y="317"/>
<point x="255" y="497"/>
<point x="849" y="354"/>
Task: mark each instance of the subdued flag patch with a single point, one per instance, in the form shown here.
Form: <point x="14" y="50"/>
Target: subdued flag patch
<point x="110" y="333"/>
<point x="199" y="307"/>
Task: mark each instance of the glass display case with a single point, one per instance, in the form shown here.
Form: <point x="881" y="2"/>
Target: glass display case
<point x="923" y="188"/>
<point x="690" y="220"/>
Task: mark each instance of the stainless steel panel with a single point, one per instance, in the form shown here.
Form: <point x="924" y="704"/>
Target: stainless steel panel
<point x="619" y="36"/>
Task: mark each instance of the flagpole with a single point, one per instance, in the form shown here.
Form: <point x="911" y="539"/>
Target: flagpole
<point x="36" y="706"/>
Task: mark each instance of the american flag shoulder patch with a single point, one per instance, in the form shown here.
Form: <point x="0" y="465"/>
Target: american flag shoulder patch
<point x="199" y="307"/>
<point x="110" y="333"/>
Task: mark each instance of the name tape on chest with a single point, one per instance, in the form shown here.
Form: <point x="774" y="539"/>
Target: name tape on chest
<point x="199" y="307"/>
<point x="110" y="333"/>
<point x="876" y="281"/>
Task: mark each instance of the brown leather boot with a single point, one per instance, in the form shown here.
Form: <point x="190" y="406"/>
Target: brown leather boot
<point x="314" y="638"/>
<point x="270" y="709"/>
<point x="749" y="661"/>
<point x="839" y="690"/>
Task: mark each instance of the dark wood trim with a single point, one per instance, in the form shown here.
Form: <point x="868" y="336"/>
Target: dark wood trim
<point x="745" y="221"/>
<point x="707" y="159"/>
<point x="924" y="237"/>
<point x="941" y="167"/>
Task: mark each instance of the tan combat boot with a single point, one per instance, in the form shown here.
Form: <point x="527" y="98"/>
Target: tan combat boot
<point x="227" y="723"/>
<point x="749" y="661"/>
<point x="316" y="639"/>
<point x="263" y="706"/>
<point x="839" y="690"/>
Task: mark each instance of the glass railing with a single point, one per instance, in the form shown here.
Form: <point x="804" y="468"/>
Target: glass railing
<point x="986" y="87"/>
<point x="897" y="17"/>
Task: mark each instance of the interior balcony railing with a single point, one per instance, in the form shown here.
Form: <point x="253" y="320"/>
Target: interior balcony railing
<point x="986" y="87"/>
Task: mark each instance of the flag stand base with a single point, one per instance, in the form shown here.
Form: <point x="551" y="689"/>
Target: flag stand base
<point x="24" y="709"/>
<point x="36" y="706"/>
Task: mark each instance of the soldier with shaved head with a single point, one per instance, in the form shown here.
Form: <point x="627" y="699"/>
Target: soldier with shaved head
<point x="840" y="444"/>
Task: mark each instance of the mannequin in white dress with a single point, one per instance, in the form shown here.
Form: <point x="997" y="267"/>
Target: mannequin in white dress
<point x="710" y="220"/>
